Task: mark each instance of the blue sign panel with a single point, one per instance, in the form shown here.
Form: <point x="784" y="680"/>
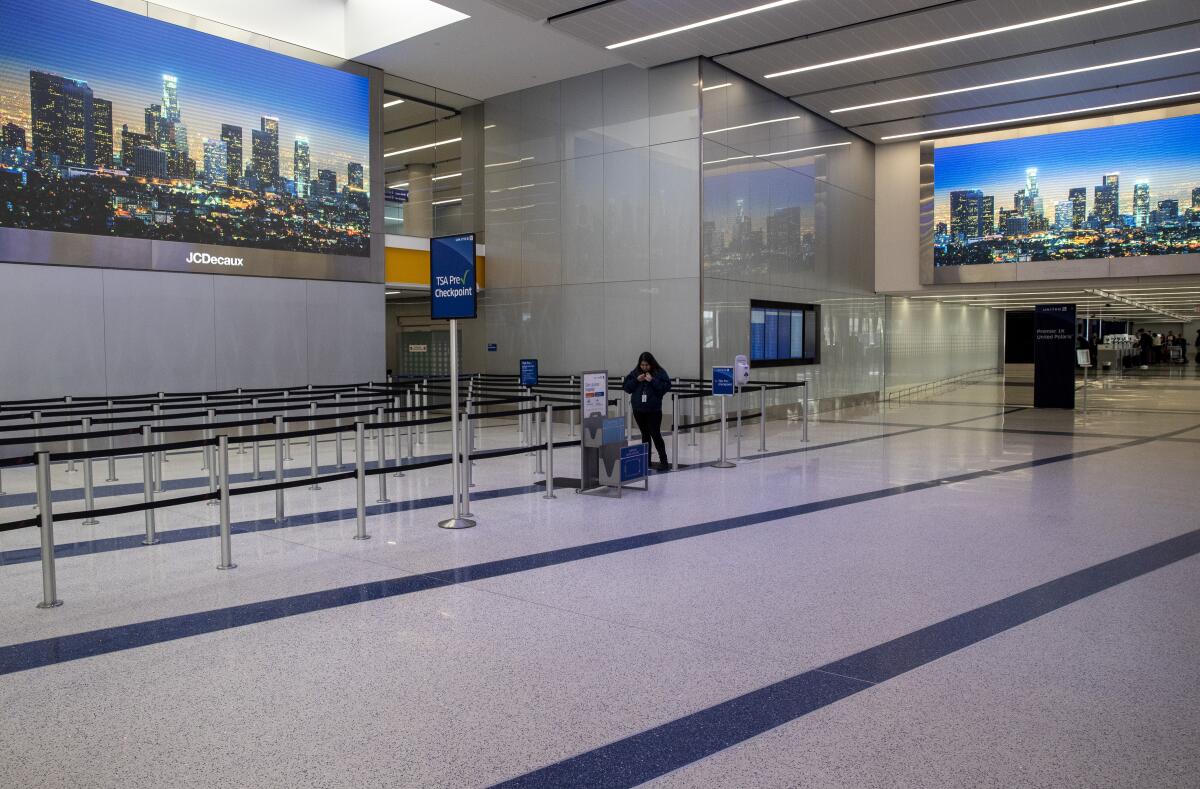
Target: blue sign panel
<point x="634" y="461"/>
<point x="395" y="195"/>
<point x="452" y="277"/>
<point x="491" y="347"/>
<point x="722" y="380"/>
<point x="612" y="431"/>
<point x="529" y="372"/>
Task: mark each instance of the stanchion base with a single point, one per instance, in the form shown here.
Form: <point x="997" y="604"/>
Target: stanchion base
<point x="466" y="515"/>
<point x="51" y="604"/>
<point x="226" y="566"/>
<point x="398" y="474"/>
<point x="155" y="541"/>
<point x="723" y="464"/>
<point x="111" y="479"/>
<point x="314" y="487"/>
<point x="382" y="501"/>
<point x="549" y="496"/>
<point x="456" y="523"/>
<point x="362" y="536"/>
<point x="89" y="522"/>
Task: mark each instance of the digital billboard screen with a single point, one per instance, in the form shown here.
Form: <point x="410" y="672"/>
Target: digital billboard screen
<point x="1114" y="191"/>
<point x="114" y="124"/>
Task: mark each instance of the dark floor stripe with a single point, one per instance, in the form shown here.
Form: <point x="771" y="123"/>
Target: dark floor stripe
<point x="35" y="654"/>
<point x="671" y="746"/>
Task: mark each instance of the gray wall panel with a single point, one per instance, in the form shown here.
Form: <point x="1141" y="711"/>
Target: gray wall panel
<point x="51" y="332"/>
<point x="260" y="333"/>
<point x="158" y="331"/>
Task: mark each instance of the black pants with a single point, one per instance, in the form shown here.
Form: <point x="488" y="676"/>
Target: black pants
<point x="650" y="423"/>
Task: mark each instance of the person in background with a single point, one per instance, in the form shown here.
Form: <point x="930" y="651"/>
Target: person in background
<point x="1145" y="344"/>
<point x="646" y="385"/>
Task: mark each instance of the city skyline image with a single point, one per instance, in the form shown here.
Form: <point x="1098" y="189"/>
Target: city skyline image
<point x="152" y="130"/>
<point x="1114" y="191"/>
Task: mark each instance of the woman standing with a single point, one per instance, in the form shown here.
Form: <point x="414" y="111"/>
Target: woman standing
<point x="646" y="384"/>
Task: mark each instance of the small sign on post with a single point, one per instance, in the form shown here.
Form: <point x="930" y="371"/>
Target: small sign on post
<point x="722" y="381"/>
<point x="529" y="372"/>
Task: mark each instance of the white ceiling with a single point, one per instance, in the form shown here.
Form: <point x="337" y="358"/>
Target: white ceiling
<point x="814" y="32"/>
<point x="1153" y="302"/>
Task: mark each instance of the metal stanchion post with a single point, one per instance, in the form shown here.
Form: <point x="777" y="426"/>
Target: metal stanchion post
<point x="469" y="449"/>
<point x="360" y="481"/>
<point x="408" y="417"/>
<point x="804" y="414"/>
<point x="208" y="453"/>
<point x="465" y="488"/>
<point x="423" y="433"/>
<point x="148" y="486"/>
<point x="279" y="467"/>
<point x="693" y="407"/>
<point x="722" y="462"/>
<point x="674" y="432"/>
<point x="89" y="501"/>
<point x="226" y="540"/>
<point x="45" y="507"/>
<point x="112" y="459"/>
<point x="457" y="519"/>
<point x="37" y="431"/>
<point x="537" y="442"/>
<point x="762" y="419"/>
<point x="337" y="437"/>
<point x="312" y="448"/>
<point x="549" y="494"/>
<point x="381" y="462"/>
<point x="625" y="412"/>
<point x="254" y="452"/>
<point x="738" y="438"/>
<point x="571" y="423"/>
<point x="396" y="439"/>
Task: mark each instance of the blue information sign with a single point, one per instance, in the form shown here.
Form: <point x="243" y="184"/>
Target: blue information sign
<point x="452" y="277"/>
<point x="634" y="462"/>
<point x="529" y="372"/>
<point x="491" y="347"/>
<point x="722" y="380"/>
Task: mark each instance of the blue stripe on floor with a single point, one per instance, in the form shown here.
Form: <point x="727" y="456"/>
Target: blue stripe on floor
<point x="35" y="654"/>
<point x="671" y="746"/>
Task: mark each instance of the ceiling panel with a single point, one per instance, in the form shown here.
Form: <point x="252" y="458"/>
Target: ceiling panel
<point x="1043" y="106"/>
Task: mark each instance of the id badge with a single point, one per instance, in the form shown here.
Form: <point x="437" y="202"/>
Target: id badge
<point x="643" y="397"/>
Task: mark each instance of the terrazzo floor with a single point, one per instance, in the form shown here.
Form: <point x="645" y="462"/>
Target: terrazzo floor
<point x="558" y="628"/>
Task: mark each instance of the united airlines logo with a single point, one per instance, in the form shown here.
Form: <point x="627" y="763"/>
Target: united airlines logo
<point x="205" y="259"/>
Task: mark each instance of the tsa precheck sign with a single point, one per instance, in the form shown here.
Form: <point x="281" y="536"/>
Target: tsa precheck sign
<point x="452" y="277"/>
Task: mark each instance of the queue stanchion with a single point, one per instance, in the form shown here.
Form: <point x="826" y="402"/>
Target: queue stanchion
<point x="537" y="418"/>
<point x="226" y="539"/>
<point x="571" y="416"/>
<point x="112" y="458"/>
<point x="70" y="445"/>
<point x="465" y="488"/>
<point x="45" y="507"/>
<point x="549" y="494"/>
<point x="241" y="450"/>
<point x="381" y="461"/>
<point x="337" y="437"/>
<point x="158" y="456"/>
<point x="762" y="419"/>
<point x="279" y="467"/>
<point x="1" y="482"/>
<point x="408" y="404"/>
<point x="209" y="452"/>
<point x="148" y="486"/>
<point x="423" y="432"/>
<point x="674" y="432"/>
<point x="723" y="461"/>
<point x="396" y="438"/>
<point x="804" y="413"/>
<point x="738" y="438"/>
<point x="37" y="431"/>
<point x="360" y="482"/>
<point x="254" y="450"/>
<point x="205" y="460"/>
<point x="89" y="493"/>
<point x="693" y="407"/>
<point x="314" y="463"/>
<point x="469" y="442"/>
<point x="287" y="444"/>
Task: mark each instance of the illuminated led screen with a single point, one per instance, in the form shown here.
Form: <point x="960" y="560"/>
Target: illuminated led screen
<point x="1109" y="192"/>
<point x="114" y="124"/>
<point x="782" y="333"/>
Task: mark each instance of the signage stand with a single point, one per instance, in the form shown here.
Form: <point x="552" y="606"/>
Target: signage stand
<point x="602" y="445"/>
<point x="452" y="295"/>
<point x="722" y="389"/>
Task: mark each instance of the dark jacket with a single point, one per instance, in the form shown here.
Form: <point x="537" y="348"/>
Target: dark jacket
<point x="654" y="390"/>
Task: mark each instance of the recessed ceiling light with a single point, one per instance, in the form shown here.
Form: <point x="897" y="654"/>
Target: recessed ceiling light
<point x="392" y="103"/>
<point x="953" y="39"/>
<point x="1043" y="115"/>
<point x="444" y="177"/>
<point x="716" y="87"/>
<point x="756" y="123"/>
<point x="423" y="147"/>
<point x="988" y="85"/>
<point x="694" y="25"/>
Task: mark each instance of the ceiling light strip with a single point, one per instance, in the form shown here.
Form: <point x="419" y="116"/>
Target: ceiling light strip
<point x="716" y="87"/>
<point x="756" y="123"/>
<point x="1043" y="115"/>
<point x="424" y="147"/>
<point x="392" y="103"/>
<point x="989" y="85"/>
<point x="778" y="153"/>
<point x="954" y="39"/>
<point x="714" y="20"/>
